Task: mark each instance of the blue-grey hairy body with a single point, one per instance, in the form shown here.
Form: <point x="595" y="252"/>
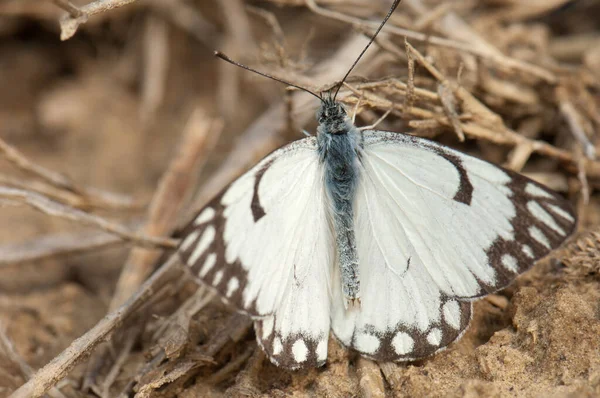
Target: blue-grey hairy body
<point x="338" y="149"/>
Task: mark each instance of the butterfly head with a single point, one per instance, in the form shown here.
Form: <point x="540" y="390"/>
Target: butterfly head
<point x="332" y="118"/>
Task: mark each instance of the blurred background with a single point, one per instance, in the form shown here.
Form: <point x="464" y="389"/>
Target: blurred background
<point x="131" y="118"/>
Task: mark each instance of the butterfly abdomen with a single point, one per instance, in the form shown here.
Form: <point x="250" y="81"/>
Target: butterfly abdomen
<point x="340" y="164"/>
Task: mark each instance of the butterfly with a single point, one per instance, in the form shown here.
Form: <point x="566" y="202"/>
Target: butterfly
<point x="384" y="239"/>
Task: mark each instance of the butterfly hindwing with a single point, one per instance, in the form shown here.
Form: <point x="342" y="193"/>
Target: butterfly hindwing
<point x="264" y="244"/>
<point x="435" y="229"/>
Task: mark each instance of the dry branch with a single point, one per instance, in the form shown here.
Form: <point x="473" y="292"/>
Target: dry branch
<point x="91" y="196"/>
<point x="55" y="209"/>
<point x="55" y="245"/>
<point x="501" y="61"/>
<point x="79" y="15"/>
<point x="173" y="192"/>
<point x="81" y="348"/>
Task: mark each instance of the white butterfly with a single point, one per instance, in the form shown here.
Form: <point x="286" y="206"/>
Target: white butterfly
<point x="383" y="238"/>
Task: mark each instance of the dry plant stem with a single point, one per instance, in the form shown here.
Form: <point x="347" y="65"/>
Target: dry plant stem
<point x="55" y="245"/>
<point x="173" y="192"/>
<point x="69" y="7"/>
<point x="130" y="339"/>
<point x="475" y="130"/>
<point x="174" y="189"/>
<point x="186" y="311"/>
<point x="156" y="66"/>
<point x="10" y="353"/>
<point x="187" y="17"/>
<point x="529" y="10"/>
<point x="468" y="102"/>
<point x="60" y="181"/>
<point x="449" y="105"/>
<point x="370" y="379"/>
<point x="500" y="60"/>
<point x="56" y="209"/>
<point x="572" y="116"/>
<point x="81" y="348"/>
<point x="70" y="23"/>
<point x="427" y="20"/>
<point x="18" y="159"/>
<point x="225" y="372"/>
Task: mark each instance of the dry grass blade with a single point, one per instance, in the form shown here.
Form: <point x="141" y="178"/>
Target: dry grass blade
<point x="56" y="209"/>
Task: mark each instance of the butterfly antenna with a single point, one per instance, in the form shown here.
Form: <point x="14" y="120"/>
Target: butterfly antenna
<point x="394" y="5"/>
<point x="226" y="58"/>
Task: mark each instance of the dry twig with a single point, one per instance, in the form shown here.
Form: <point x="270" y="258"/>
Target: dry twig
<point x="55" y="245"/>
<point x="79" y="349"/>
<point x="78" y="16"/>
<point x="56" y="209"/>
<point x="501" y="61"/>
<point x="88" y="196"/>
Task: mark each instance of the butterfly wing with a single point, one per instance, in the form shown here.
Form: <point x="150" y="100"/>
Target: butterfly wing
<point x="436" y="228"/>
<point x="264" y="244"/>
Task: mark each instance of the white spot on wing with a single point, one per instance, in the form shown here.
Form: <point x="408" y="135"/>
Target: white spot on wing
<point x="542" y="215"/>
<point x="232" y="286"/>
<point x="205" y="240"/>
<point x="267" y="327"/>
<point x="534" y="190"/>
<point x="509" y="262"/>
<point x="300" y="351"/>
<point x="434" y="337"/>
<point x="528" y="252"/>
<point x="191" y="238"/>
<point x="561" y="212"/>
<point x="322" y="350"/>
<point x="538" y="235"/>
<point x="403" y="343"/>
<point x="366" y="343"/>
<point x="451" y="311"/>
<point x="206" y="215"/>
<point x="277" y="346"/>
<point x="210" y="261"/>
<point x="218" y="277"/>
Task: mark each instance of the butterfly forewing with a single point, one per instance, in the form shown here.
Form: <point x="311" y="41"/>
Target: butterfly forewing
<point x="436" y="228"/>
<point x="265" y="245"/>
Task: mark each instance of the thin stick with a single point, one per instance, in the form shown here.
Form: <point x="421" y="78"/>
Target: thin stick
<point x="56" y="209"/>
<point x="493" y="57"/>
<point x="79" y="349"/>
<point x="173" y="192"/>
<point x="61" y="181"/>
<point x="69" y="7"/>
<point x="370" y="379"/>
<point x="70" y="23"/>
<point x="55" y="245"/>
<point x="475" y="130"/>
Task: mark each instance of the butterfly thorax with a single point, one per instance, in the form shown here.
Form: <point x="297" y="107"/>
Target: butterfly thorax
<point x="337" y="141"/>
